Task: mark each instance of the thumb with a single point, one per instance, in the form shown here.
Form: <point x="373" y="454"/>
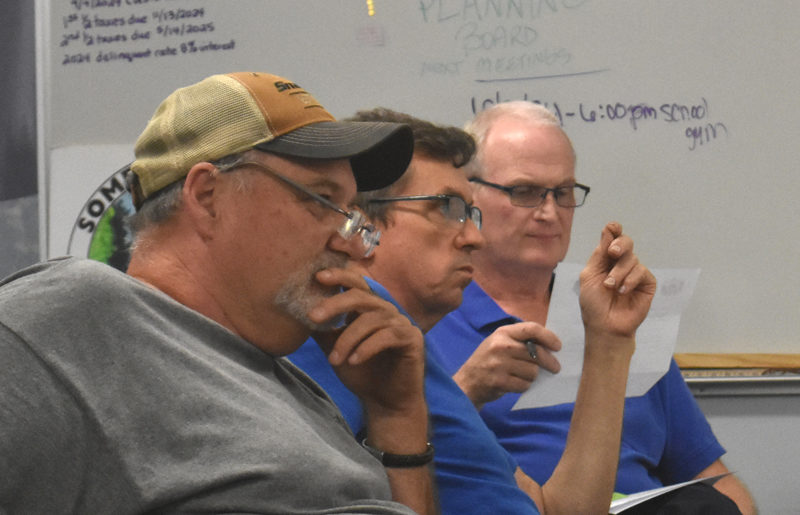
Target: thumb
<point x="599" y="261"/>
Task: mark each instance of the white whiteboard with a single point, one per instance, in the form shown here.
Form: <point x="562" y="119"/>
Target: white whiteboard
<point x="684" y="114"/>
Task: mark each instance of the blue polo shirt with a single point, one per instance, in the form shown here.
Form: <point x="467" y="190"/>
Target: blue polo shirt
<point x="666" y="439"/>
<point x="473" y="473"/>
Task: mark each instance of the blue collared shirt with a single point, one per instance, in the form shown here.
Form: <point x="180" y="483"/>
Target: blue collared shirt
<point x="474" y="474"/>
<point x="666" y="438"/>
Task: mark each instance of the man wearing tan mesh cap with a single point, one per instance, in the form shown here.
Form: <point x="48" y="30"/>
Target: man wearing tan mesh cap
<point x="165" y="389"/>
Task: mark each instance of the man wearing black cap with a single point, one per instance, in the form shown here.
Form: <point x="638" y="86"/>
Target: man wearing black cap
<point x="165" y="390"/>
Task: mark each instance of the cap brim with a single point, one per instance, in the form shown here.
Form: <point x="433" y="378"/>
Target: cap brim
<point x="379" y="152"/>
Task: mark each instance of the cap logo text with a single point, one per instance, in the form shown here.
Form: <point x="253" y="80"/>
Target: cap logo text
<point x="283" y="86"/>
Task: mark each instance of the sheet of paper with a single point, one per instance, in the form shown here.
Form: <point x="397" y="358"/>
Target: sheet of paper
<point x="629" y="501"/>
<point x="655" y="338"/>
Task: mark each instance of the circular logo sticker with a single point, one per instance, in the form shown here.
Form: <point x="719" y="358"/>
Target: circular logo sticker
<point x="100" y="232"/>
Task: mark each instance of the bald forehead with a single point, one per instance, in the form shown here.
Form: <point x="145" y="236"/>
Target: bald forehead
<point x="515" y="130"/>
<point x="516" y="147"/>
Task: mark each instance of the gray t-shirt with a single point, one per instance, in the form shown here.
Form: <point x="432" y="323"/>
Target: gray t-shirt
<point x="115" y="398"/>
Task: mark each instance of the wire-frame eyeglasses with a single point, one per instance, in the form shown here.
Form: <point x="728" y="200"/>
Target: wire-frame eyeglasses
<point x="453" y="207"/>
<point x="529" y="195"/>
<point x="355" y="221"/>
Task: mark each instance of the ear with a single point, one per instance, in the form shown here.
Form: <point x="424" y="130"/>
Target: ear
<point x="200" y="197"/>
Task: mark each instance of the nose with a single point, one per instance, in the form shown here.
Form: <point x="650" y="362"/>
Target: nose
<point x="353" y="247"/>
<point x="470" y="236"/>
<point x="548" y="208"/>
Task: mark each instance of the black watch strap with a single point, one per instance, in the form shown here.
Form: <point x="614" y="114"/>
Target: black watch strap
<point x="400" y="460"/>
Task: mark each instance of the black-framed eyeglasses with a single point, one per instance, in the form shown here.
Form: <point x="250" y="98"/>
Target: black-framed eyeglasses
<point x="355" y="223"/>
<point x="452" y="206"/>
<point x="529" y="195"/>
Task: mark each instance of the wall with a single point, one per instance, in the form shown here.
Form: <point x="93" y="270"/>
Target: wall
<point x="760" y="435"/>
<point x="683" y="114"/>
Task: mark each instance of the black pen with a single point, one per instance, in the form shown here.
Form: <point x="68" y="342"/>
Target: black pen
<point x="531" y="346"/>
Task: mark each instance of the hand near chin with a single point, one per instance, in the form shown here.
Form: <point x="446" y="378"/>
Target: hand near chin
<point x="378" y="354"/>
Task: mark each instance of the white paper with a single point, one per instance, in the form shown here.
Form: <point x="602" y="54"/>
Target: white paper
<point x="655" y="338"/>
<point x="632" y="500"/>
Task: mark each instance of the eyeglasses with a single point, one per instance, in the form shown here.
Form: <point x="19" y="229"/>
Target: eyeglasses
<point x="528" y="195"/>
<point x="452" y="206"/>
<point x="355" y="223"/>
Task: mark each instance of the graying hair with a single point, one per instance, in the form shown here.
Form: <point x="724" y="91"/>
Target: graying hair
<point x="536" y="114"/>
<point x="160" y="207"/>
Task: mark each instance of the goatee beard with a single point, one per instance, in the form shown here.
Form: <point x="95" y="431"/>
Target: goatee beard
<point x="301" y="292"/>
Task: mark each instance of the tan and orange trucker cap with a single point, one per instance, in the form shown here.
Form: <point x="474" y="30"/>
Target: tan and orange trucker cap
<point x="231" y="113"/>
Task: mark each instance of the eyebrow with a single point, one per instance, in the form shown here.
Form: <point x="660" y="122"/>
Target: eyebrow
<point x="324" y="181"/>
<point x="465" y="196"/>
<point x="336" y="189"/>
<point x="513" y="184"/>
<point x="444" y="191"/>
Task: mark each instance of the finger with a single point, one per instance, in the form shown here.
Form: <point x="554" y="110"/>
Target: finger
<point x="390" y="338"/>
<point x="346" y="346"/>
<point x="347" y="302"/>
<point x="519" y="384"/>
<point x="620" y="246"/>
<point x="371" y="332"/>
<point x="366" y="313"/>
<point x="599" y="259"/>
<point x="639" y="278"/>
<point x="611" y="230"/>
<point x="615" y="228"/>
<point x="545" y="359"/>
<point x="621" y="261"/>
<point x="531" y="330"/>
<point x="620" y="271"/>
<point x="528" y="370"/>
<point x="343" y="277"/>
<point x="532" y="350"/>
<point x="337" y="304"/>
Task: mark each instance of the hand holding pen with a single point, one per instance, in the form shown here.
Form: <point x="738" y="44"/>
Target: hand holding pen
<point x="508" y="360"/>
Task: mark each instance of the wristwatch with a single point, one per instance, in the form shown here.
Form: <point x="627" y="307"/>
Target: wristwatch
<point x="400" y="460"/>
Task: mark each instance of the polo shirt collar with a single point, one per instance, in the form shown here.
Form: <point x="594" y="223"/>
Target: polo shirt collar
<point x="481" y="312"/>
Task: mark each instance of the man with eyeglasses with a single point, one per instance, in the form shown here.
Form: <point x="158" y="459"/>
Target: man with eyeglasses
<point x="526" y="187"/>
<point x="165" y="390"/>
<point x="429" y="234"/>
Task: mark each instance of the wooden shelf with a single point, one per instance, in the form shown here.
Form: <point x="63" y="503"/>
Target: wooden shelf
<point x="736" y="361"/>
<point x="709" y="375"/>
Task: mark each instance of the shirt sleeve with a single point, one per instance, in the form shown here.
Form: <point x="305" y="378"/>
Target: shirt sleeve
<point x="691" y="445"/>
